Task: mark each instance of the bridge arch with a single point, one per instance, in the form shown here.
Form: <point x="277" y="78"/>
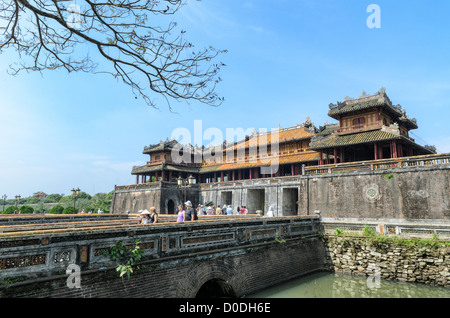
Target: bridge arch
<point x="216" y="288"/>
<point x="218" y="276"/>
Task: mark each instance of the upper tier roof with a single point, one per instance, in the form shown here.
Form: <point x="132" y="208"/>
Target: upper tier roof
<point x="366" y="102"/>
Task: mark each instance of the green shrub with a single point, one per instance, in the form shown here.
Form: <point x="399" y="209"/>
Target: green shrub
<point x="10" y="210"/>
<point x="368" y="231"/>
<point x="57" y="209"/>
<point x="69" y="210"/>
<point x="338" y="231"/>
<point x="26" y="209"/>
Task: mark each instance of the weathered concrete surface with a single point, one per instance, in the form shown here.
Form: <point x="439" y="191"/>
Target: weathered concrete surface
<point x="403" y="193"/>
<point x="164" y="196"/>
<point x="418" y="193"/>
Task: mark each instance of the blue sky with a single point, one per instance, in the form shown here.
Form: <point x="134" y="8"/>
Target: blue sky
<point x="286" y="60"/>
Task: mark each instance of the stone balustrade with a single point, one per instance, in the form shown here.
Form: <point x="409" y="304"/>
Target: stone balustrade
<point x="46" y="249"/>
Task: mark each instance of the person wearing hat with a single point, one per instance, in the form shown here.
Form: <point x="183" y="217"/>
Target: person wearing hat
<point x="191" y="214"/>
<point x="144" y="217"/>
<point x="201" y="210"/>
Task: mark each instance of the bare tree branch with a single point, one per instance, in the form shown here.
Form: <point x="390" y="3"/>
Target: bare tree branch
<point x="146" y="56"/>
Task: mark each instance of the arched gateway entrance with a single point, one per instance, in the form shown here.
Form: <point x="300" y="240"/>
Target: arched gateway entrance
<point x="171" y="204"/>
<point x="216" y="288"/>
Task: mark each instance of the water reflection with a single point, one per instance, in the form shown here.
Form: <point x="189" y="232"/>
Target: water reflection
<point x="331" y="285"/>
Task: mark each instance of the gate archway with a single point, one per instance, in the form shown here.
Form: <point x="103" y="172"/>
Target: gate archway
<point x="216" y="288"/>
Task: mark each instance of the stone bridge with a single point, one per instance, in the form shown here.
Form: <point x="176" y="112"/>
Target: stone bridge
<point x="216" y="256"/>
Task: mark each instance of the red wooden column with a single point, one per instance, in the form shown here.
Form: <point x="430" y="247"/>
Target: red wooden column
<point x="393" y="149"/>
<point x="221" y="176"/>
<point x="233" y="174"/>
<point x="240" y="174"/>
<point x="400" y="150"/>
<point x="335" y="156"/>
<point x="326" y="160"/>
<point x="375" y="151"/>
<point x="156" y="176"/>
<point x="215" y="177"/>
<point x="137" y="179"/>
<point x="250" y="173"/>
<point x="341" y="156"/>
<point x="320" y="157"/>
<point x="163" y="175"/>
<point x="292" y="169"/>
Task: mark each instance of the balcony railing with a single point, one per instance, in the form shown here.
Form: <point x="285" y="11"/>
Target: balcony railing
<point x="382" y="164"/>
<point x="360" y="128"/>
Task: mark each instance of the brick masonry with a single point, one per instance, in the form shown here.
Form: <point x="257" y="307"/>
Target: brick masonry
<point x="246" y="270"/>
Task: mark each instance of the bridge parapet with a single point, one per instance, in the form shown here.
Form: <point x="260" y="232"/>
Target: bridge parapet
<point x="45" y="251"/>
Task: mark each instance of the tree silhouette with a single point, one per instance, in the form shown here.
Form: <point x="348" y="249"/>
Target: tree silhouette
<point x="126" y="34"/>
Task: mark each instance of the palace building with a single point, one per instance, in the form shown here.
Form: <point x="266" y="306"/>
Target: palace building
<point x="239" y="161"/>
<point x="368" y="128"/>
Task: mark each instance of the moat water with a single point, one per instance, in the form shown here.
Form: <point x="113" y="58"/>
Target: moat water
<point x="332" y="285"/>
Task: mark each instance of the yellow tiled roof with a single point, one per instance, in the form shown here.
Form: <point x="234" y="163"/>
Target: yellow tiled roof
<point x="285" y="135"/>
<point x="306" y="157"/>
<point x="353" y="139"/>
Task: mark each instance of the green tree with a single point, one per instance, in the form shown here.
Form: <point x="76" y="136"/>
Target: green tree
<point x="40" y="207"/>
<point x="69" y="210"/>
<point x="32" y="200"/>
<point x="57" y="209"/>
<point x="10" y="210"/>
<point x="102" y="201"/>
<point x="26" y="209"/>
<point x="53" y="198"/>
<point x="69" y="198"/>
<point x="126" y="257"/>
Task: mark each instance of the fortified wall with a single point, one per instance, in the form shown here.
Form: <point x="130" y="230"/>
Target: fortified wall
<point x="399" y="193"/>
<point x="407" y="188"/>
<point x="413" y="193"/>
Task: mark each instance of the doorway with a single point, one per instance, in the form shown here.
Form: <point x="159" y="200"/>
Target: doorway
<point x="171" y="207"/>
<point x="290" y="199"/>
<point x="255" y="200"/>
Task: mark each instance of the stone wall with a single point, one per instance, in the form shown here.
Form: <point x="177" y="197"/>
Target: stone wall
<point x="401" y="193"/>
<point x="408" y="193"/>
<point x="164" y="196"/>
<point x="245" y="270"/>
<point x="393" y="258"/>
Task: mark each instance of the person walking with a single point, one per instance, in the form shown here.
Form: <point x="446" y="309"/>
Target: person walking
<point x="181" y="214"/>
<point x="153" y="215"/>
<point x="191" y="214"/>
